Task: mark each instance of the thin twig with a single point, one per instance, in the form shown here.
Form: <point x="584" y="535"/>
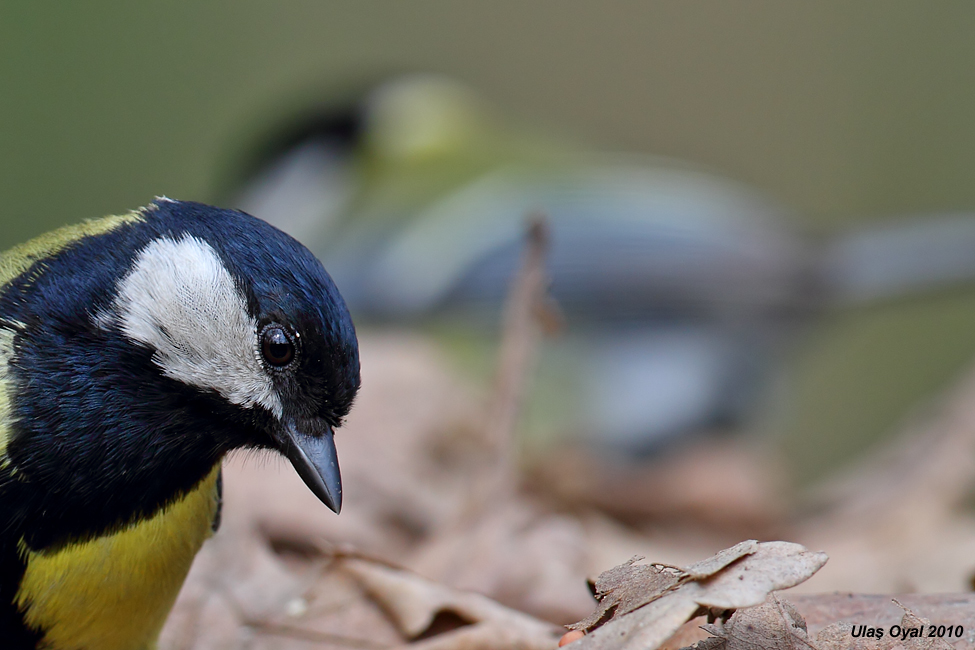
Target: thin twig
<point x="526" y="311"/>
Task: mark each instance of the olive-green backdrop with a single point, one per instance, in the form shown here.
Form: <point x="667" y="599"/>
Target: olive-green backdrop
<point x="842" y="111"/>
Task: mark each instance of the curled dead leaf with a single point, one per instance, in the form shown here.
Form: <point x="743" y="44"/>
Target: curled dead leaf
<point x="627" y="587"/>
<point x="415" y="605"/>
<point x="746" y="582"/>
<point x="641" y="606"/>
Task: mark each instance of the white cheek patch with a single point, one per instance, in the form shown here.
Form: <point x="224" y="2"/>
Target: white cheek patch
<point x="181" y="301"/>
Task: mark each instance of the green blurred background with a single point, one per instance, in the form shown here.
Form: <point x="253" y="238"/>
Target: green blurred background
<point x="843" y="112"/>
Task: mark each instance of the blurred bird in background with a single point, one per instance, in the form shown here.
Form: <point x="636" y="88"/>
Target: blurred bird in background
<point x="681" y="290"/>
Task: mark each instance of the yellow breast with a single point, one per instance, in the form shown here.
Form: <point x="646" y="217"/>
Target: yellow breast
<point x="114" y="592"/>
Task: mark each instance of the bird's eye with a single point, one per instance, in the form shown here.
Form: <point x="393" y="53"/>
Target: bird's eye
<point x="276" y="346"/>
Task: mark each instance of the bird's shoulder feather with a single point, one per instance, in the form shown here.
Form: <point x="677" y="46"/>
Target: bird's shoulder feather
<point x="20" y="258"/>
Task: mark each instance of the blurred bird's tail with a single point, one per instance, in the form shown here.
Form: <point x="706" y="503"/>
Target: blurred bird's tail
<point x="914" y="255"/>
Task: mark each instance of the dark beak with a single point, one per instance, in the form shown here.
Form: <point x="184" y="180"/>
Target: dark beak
<point x="313" y="456"/>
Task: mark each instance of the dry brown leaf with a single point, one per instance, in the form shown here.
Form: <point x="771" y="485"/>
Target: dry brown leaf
<point x="912" y="621"/>
<point x="912" y="628"/>
<point x="518" y="554"/>
<point x="775" y="625"/>
<point x="772" y="566"/>
<point x="720" y="560"/>
<point x="840" y="635"/>
<point x="739" y="577"/>
<point x="416" y="604"/>
<point x="823" y="610"/>
<point x="644" y="629"/>
<point x="627" y="587"/>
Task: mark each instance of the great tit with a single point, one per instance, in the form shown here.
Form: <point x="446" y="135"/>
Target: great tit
<point x="136" y="351"/>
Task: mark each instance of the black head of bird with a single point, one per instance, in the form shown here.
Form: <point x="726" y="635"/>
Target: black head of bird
<point x="135" y="352"/>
